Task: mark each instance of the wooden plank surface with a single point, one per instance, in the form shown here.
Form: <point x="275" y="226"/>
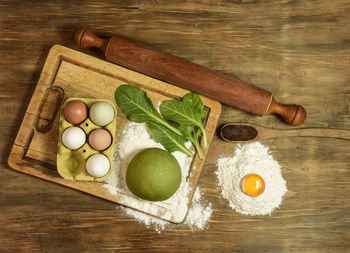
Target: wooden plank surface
<point x="299" y="50"/>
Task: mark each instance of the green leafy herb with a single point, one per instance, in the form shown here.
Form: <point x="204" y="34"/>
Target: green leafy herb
<point x="184" y="114"/>
<point x="171" y="141"/>
<point x="194" y="100"/>
<point x="193" y="132"/>
<point x="135" y="104"/>
<point x="189" y="133"/>
<point x="188" y="114"/>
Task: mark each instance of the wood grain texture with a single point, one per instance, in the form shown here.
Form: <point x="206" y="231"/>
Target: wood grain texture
<point x="298" y="50"/>
<point x="233" y="132"/>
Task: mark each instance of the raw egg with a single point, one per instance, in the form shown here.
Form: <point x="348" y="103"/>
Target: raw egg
<point x="100" y="139"/>
<point x="75" y="112"/>
<point x="253" y="185"/>
<point x="101" y="113"/>
<point x="73" y="137"/>
<point x="97" y="165"/>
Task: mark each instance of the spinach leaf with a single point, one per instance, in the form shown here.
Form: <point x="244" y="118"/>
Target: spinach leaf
<point x="171" y="141"/>
<point x="137" y="106"/>
<point x="184" y="114"/>
<point x="194" y="100"/>
<point x="190" y="134"/>
<point x="186" y="131"/>
<point x="188" y="114"/>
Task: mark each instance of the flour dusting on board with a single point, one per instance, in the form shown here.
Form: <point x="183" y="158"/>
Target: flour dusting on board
<point x="135" y="138"/>
<point x="251" y="158"/>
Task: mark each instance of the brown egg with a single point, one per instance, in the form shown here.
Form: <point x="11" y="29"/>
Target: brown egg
<point x="100" y="139"/>
<point x="75" y="112"/>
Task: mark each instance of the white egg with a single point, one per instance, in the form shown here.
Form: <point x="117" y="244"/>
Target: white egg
<point x="97" y="165"/>
<point x="73" y="137"/>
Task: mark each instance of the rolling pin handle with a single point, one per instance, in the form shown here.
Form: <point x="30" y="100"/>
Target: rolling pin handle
<point x="83" y="37"/>
<point x="291" y="114"/>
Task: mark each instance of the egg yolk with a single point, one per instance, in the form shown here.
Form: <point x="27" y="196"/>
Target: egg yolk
<point x="253" y="185"/>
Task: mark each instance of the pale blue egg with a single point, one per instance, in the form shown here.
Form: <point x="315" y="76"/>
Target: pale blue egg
<point x="101" y="113"/>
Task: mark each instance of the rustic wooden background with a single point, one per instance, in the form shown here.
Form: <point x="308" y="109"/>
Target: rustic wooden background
<point x="299" y="50"/>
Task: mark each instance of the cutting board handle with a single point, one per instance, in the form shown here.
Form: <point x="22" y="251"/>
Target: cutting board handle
<point x="49" y="108"/>
<point x="191" y="76"/>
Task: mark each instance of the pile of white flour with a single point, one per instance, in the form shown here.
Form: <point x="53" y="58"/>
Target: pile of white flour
<point x="251" y="158"/>
<point x="135" y="138"/>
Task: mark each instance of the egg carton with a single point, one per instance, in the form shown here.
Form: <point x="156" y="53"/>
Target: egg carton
<point x="71" y="164"/>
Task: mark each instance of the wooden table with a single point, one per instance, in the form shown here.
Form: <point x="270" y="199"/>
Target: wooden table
<point x="299" y="50"/>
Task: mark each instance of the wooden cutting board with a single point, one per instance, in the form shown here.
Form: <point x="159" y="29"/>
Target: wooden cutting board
<point x="69" y="73"/>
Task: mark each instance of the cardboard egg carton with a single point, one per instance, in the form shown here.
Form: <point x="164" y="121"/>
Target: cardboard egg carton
<point x="71" y="164"/>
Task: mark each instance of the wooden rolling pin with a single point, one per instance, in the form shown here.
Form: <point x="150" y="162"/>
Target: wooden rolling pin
<point x="190" y="76"/>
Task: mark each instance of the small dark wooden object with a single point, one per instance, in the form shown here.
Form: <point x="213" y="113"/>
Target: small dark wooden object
<point x="190" y="76"/>
<point x="231" y="132"/>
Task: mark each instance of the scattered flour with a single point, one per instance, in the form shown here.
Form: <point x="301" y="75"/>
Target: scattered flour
<point x="197" y="218"/>
<point x="199" y="214"/>
<point x="135" y="137"/>
<point x="251" y="158"/>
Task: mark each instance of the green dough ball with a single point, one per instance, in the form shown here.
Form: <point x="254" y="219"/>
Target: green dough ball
<point x="153" y="174"/>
